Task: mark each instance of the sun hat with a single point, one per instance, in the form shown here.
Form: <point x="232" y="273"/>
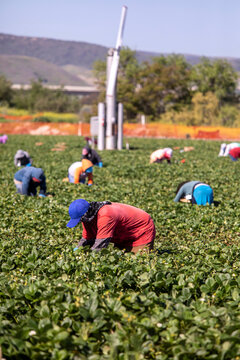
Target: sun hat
<point x="76" y="210"/>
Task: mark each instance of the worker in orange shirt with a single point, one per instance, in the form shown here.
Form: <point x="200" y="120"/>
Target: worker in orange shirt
<point x="79" y="171"/>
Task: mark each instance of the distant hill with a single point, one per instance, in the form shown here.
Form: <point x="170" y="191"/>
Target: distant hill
<point x="60" y="62"/>
<point x="84" y="74"/>
<point x="24" y="69"/>
<point x="57" y="52"/>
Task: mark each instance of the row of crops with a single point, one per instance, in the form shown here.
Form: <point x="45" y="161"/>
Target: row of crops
<point x="180" y="302"/>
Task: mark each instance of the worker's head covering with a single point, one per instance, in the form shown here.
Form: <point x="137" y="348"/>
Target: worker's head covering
<point x="76" y="210"/>
<point x="22" y="158"/>
<point x="168" y="153"/>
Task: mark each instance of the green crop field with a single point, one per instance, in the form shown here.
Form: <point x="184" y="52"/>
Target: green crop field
<point x="180" y="302"/>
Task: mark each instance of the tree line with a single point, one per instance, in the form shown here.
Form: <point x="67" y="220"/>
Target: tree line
<point x="170" y="90"/>
<point x="167" y="89"/>
<point x="38" y="98"/>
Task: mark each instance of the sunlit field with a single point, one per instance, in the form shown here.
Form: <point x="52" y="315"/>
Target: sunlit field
<point x="182" y="301"/>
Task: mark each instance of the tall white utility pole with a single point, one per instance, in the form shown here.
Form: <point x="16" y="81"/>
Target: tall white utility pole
<point x="111" y="118"/>
<point x="112" y="68"/>
<point x="120" y="127"/>
<point x="101" y="117"/>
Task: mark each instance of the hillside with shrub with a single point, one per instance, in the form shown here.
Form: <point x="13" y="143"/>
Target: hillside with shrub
<point x="24" y="69"/>
<point x="165" y="89"/>
<point x="67" y="54"/>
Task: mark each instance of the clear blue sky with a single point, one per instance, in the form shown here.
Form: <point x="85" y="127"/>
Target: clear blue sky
<point x="200" y="27"/>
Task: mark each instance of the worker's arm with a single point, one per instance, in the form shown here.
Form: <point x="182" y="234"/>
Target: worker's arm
<point x="101" y="244"/>
<point x="180" y="194"/>
<point x="85" y="242"/>
<point x="97" y="157"/>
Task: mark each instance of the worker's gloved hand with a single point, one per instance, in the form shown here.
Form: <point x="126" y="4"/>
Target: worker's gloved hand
<point x="75" y="249"/>
<point x="90" y="184"/>
<point x="100" y="164"/>
<point x="42" y="195"/>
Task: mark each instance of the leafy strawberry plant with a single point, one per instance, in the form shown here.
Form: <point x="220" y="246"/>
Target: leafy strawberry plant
<point x="180" y="302"/>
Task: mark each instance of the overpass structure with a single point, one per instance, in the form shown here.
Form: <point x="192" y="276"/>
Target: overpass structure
<point x="67" y="89"/>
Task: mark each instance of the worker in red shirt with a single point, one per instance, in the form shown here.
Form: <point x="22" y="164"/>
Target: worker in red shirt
<point x="104" y="222"/>
<point x="234" y="153"/>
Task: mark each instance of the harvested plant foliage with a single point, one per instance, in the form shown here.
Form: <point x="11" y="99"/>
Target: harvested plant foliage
<point x="181" y="302"/>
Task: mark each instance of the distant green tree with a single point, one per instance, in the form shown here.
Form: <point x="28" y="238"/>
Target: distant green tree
<point x="149" y="88"/>
<point x="128" y="75"/>
<point x="6" y="92"/>
<point x="217" y="76"/>
<point x="164" y="84"/>
<point x="205" y="108"/>
<point x="99" y="72"/>
<point x="229" y="115"/>
<point x="39" y="98"/>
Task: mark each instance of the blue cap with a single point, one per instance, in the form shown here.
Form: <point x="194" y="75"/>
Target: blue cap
<point x="76" y="210"/>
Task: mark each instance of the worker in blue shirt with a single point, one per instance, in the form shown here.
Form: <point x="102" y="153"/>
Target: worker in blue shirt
<point x="28" y="179"/>
<point x="195" y="192"/>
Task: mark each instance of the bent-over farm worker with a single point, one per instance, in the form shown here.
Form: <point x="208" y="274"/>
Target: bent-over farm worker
<point x="79" y="171"/>
<point x="22" y="158"/>
<point x="195" y="192"/>
<point x="28" y="179"/>
<point x="234" y="154"/>
<point x="160" y="155"/>
<point x="127" y="227"/>
<point x="92" y="155"/>
<point x="3" y="139"/>
<point x="225" y="148"/>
